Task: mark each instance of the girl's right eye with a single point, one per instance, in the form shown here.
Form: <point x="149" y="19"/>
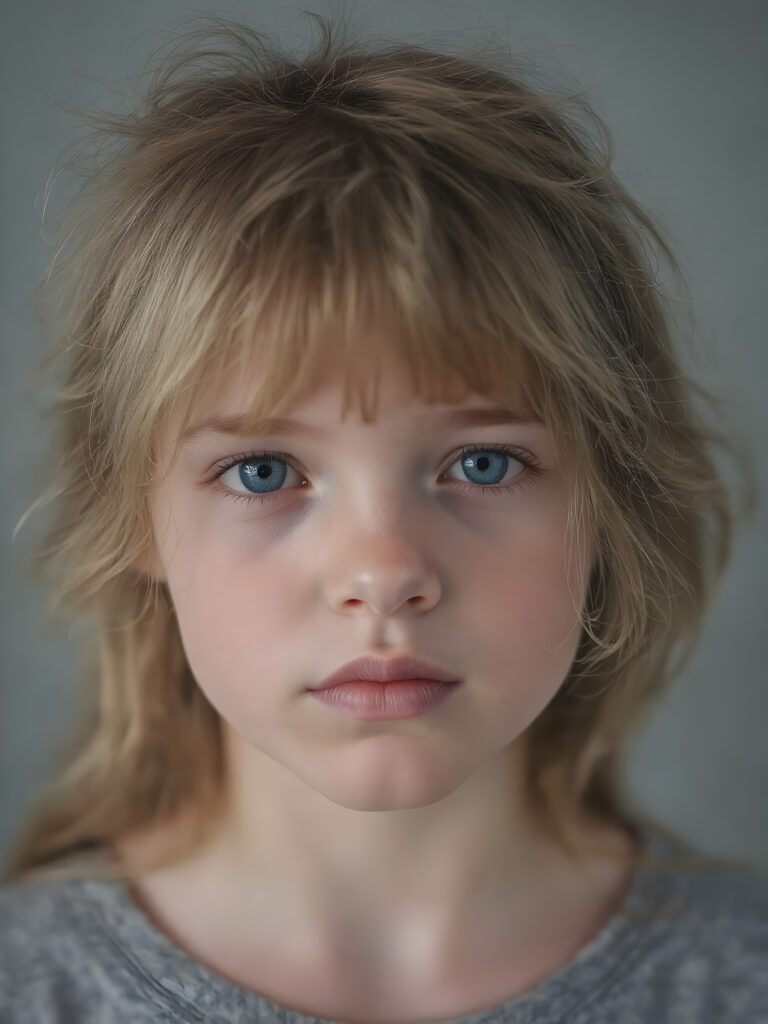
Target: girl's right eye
<point x="259" y="469"/>
<point x="269" y="470"/>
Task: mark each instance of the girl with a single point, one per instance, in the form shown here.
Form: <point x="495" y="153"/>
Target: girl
<point x="388" y="507"/>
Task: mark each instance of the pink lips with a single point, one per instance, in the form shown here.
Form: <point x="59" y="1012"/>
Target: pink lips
<point x="373" y="688"/>
<point x="386" y="670"/>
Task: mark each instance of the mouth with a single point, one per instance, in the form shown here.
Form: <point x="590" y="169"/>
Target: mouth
<point x="372" y="669"/>
<point x="373" y="700"/>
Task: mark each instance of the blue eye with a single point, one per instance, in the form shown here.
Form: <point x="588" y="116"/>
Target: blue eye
<point x="264" y="473"/>
<point x="487" y="464"/>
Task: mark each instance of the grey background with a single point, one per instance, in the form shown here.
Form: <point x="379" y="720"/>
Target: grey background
<point x="682" y="86"/>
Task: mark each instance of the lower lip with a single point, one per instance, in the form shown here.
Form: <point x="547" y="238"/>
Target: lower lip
<point x="372" y="701"/>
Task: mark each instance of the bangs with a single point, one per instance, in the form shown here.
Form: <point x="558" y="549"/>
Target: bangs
<point x="348" y="236"/>
<point x="293" y="316"/>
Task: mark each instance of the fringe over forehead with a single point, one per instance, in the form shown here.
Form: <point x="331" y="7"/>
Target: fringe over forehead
<point x="264" y="214"/>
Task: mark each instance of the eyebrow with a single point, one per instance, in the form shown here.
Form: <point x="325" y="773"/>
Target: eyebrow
<point x="234" y="426"/>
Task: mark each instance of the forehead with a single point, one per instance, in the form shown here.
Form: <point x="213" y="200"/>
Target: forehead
<point x="317" y="413"/>
<point x="364" y="375"/>
<point x="378" y="381"/>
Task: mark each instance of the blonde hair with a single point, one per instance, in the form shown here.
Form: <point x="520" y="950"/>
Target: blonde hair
<point x="251" y="194"/>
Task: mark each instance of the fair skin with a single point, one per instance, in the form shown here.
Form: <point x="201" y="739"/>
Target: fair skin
<point x="376" y="871"/>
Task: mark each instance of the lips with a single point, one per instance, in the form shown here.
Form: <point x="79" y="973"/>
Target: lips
<point x="386" y="670"/>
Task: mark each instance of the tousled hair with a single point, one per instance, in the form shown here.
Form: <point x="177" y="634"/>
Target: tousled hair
<point x="257" y="208"/>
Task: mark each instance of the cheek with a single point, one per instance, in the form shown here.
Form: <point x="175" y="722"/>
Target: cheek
<point x="530" y="587"/>
<point x="235" y="607"/>
<point x="522" y="605"/>
<point x="239" y="611"/>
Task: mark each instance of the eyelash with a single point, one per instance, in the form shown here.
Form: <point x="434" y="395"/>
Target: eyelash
<point x="531" y="464"/>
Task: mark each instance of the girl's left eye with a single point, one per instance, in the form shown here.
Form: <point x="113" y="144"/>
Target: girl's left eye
<point x="267" y="469"/>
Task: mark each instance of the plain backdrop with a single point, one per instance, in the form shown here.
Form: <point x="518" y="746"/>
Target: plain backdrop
<point x="682" y="86"/>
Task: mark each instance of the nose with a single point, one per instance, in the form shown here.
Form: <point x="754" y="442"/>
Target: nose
<point x="382" y="571"/>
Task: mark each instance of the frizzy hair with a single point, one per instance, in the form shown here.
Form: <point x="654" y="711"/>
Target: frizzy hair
<point x="254" y="201"/>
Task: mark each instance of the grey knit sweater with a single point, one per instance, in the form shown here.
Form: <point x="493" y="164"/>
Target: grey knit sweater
<point x="82" y="952"/>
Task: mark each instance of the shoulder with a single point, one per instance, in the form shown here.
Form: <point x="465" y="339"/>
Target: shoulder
<point x="696" y="888"/>
<point x="706" y="939"/>
<point x="729" y="900"/>
<point x="40" y="940"/>
<point x="34" y="915"/>
<point x="56" y="964"/>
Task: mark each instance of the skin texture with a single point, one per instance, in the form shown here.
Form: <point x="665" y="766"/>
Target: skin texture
<point x="385" y="864"/>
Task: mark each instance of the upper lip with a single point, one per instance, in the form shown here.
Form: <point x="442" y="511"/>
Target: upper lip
<point x="385" y="670"/>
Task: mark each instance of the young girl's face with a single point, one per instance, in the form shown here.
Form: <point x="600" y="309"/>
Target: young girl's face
<point x="396" y="543"/>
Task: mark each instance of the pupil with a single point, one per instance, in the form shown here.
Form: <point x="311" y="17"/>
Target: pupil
<point x="264" y="471"/>
<point x="482" y="462"/>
